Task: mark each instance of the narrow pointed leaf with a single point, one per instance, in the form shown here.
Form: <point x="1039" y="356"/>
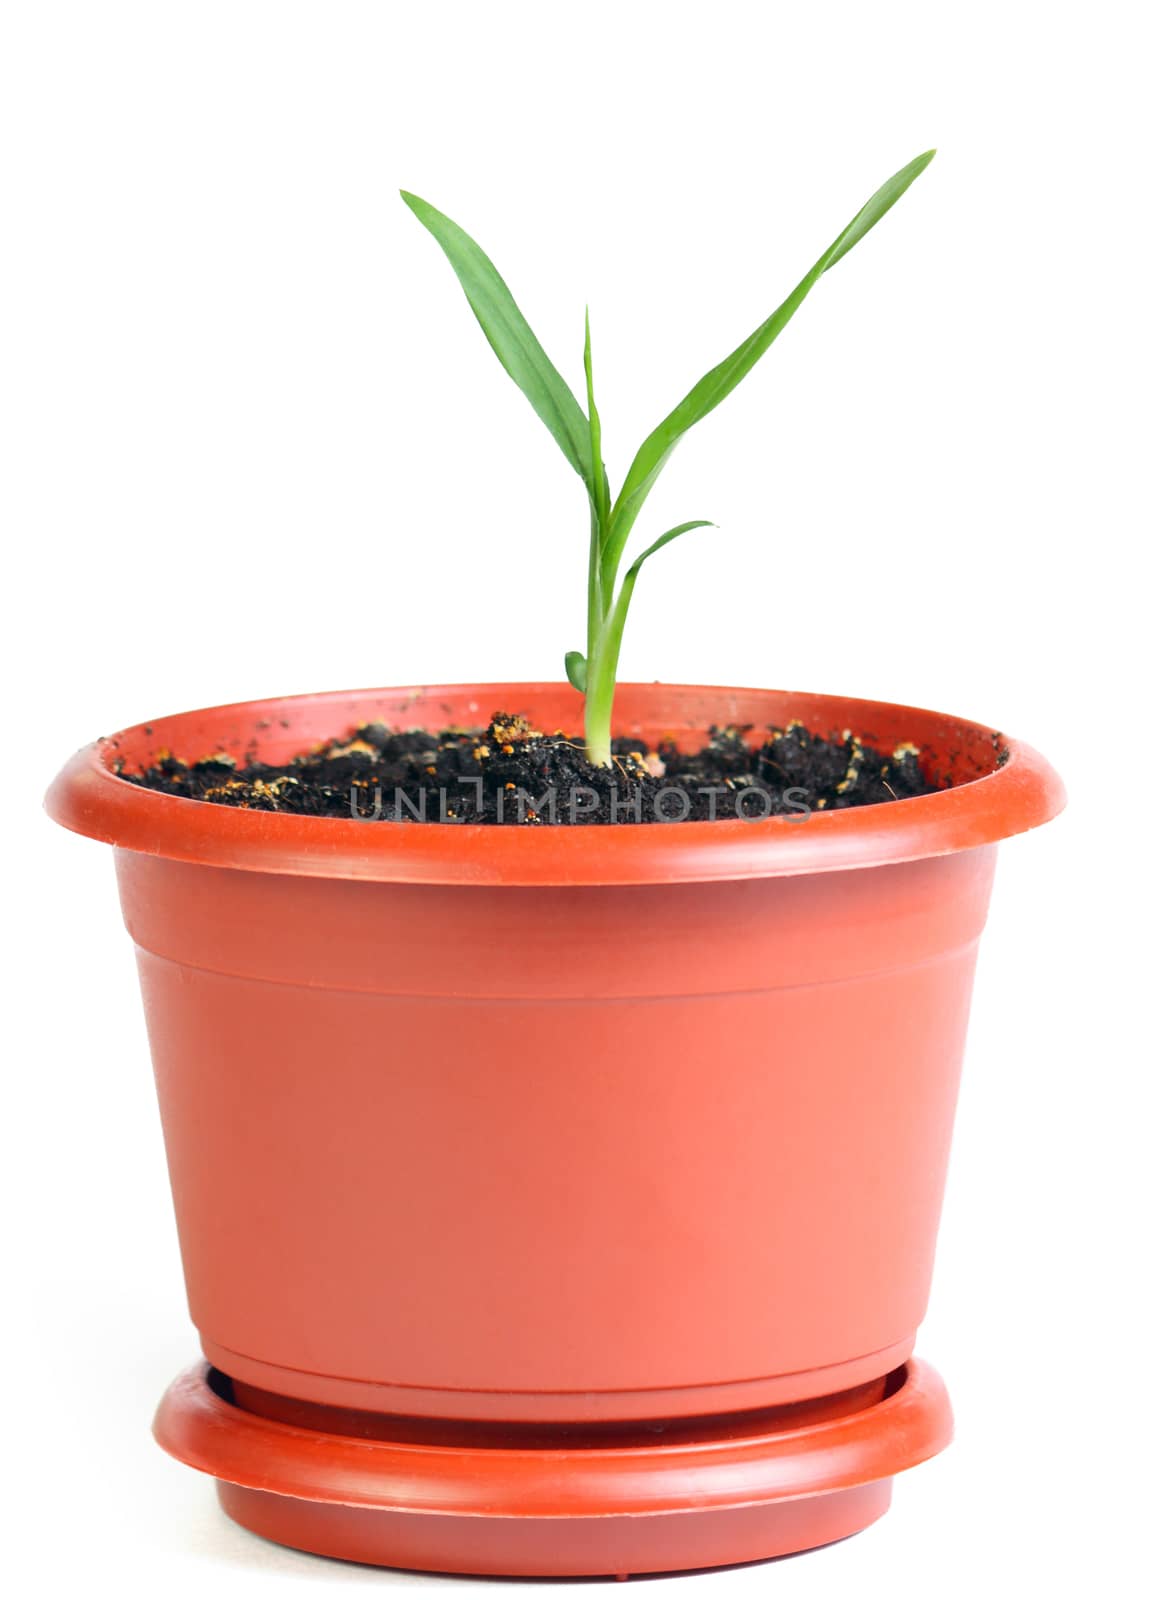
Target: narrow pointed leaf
<point x="601" y="482"/>
<point x="610" y="648"/>
<point x="724" y="378"/>
<point x="659" y="544"/>
<point x="876" y="207"/>
<point x="575" y="669"/>
<point x="514" y="342"/>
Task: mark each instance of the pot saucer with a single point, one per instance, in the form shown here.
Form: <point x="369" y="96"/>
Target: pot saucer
<point x="554" y="1502"/>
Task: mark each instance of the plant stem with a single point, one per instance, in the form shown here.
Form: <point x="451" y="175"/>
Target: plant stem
<point x="599" y="683"/>
<point x="595" y="611"/>
<point x="599" y="687"/>
<point x="601" y="675"/>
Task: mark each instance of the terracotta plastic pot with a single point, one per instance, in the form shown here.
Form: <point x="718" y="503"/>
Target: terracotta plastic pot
<point x="556" y="1200"/>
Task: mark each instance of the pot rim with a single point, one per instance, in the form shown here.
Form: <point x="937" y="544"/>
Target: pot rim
<point x="1020" y="791"/>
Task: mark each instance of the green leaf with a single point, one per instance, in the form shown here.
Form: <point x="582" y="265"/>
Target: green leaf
<point x="603" y="669"/>
<point x="610" y="647"/>
<point x="575" y="669"/>
<point x="600" y="501"/>
<point x="513" y="341"/>
<point x="659" y="544"/>
<point x="876" y="207"/>
<point x="724" y="378"/>
<point x="601" y="495"/>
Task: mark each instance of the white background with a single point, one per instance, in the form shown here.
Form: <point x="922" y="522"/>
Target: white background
<point x="257" y="445"/>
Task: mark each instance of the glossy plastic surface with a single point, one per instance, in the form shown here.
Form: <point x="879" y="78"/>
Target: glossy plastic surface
<point x="458" y="1149"/>
<point x="570" y="1126"/>
<point x="485" y="1501"/>
<point x="557" y="1153"/>
<point x="991" y="800"/>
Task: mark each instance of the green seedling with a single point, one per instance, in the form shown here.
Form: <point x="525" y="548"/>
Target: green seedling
<point x="578" y="432"/>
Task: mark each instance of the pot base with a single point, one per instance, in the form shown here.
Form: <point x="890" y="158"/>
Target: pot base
<point x="518" y="1501"/>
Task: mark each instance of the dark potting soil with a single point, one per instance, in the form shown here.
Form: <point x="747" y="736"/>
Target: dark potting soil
<point x="512" y="774"/>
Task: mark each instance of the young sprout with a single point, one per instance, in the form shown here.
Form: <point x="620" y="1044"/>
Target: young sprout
<point x="594" y="672"/>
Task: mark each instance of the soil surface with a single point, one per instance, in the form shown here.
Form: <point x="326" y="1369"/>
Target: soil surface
<point x="514" y="775"/>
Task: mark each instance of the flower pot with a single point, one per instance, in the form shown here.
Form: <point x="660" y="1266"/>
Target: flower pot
<point x="558" y="1200"/>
